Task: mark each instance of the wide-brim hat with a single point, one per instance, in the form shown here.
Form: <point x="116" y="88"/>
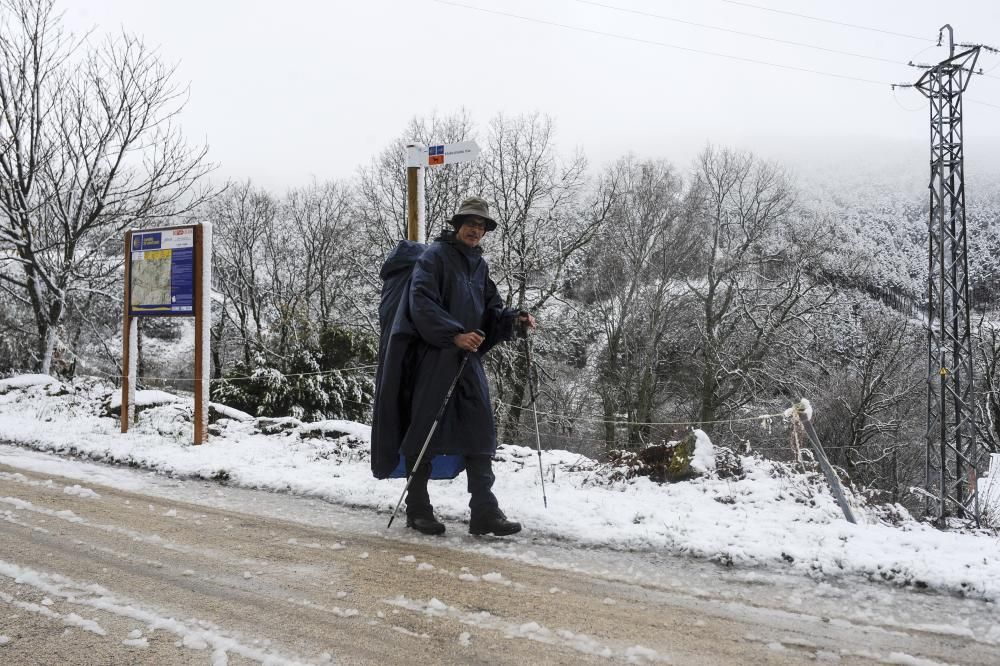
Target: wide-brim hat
<point x="476" y="206"/>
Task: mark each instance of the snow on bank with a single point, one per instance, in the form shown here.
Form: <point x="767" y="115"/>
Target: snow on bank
<point x="145" y="398"/>
<point x="770" y="516"/>
<point x="26" y="381"/>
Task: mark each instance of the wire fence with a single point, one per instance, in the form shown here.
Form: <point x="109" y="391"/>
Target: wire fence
<point x="553" y="422"/>
<point x="228" y="378"/>
<point x="619" y="422"/>
<point x="551" y="418"/>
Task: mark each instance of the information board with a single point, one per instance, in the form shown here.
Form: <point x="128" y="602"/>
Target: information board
<point x="162" y="273"/>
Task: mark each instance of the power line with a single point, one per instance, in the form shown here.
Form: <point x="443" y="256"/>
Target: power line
<point x="662" y="44"/>
<point x="738" y="32"/>
<point x="895" y="97"/>
<point x="978" y="101"/>
<point x="689" y="49"/>
<point x="982" y="73"/>
<point x="825" y="20"/>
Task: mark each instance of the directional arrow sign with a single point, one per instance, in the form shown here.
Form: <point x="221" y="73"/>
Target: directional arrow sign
<point x="446" y="153"/>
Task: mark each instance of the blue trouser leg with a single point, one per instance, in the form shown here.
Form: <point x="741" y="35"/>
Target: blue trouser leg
<point x="480" y="477"/>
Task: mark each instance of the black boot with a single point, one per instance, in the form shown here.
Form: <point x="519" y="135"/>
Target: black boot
<point x="427" y="524"/>
<point x="493" y="522"/>
<point x="419" y="512"/>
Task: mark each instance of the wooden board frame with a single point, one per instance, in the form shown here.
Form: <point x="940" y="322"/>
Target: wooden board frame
<point x="202" y="326"/>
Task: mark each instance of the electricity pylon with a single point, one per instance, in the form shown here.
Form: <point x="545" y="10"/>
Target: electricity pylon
<point x="952" y="458"/>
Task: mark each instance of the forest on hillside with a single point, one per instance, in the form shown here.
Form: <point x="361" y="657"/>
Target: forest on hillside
<point x="668" y="295"/>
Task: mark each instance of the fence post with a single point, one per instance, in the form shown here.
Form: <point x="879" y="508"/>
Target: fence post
<point x="802" y="414"/>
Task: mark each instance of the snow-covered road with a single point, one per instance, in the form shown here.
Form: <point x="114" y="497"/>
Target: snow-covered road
<point x="110" y="565"/>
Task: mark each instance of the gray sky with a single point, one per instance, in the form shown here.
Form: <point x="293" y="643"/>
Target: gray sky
<point x="284" y="92"/>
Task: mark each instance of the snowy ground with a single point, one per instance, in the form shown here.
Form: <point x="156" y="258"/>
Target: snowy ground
<point x="770" y="518"/>
<point x="106" y="564"/>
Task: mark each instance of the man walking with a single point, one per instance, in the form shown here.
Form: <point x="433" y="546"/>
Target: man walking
<point x="449" y="298"/>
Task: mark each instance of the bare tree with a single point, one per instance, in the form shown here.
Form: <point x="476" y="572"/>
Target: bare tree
<point x="754" y="286"/>
<point x="243" y="217"/>
<point x="869" y="396"/>
<point x="328" y="242"/>
<point x="987" y="350"/>
<point x="635" y="271"/>
<point x="91" y="150"/>
<point x="285" y="296"/>
<point x="544" y="221"/>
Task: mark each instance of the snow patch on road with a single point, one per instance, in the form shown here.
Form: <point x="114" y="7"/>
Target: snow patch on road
<point x="79" y="491"/>
<point x="634" y="654"/>
<point x="76" y="489"/>
<point x="909" y="660"/>
<point x="69" y="516"/>
<point x="407" y="632"/>
<point x="200" y="636"/>
<point x="25" y="505"/>
<point x="70" y="619"/>
<point x="495" y="577"/>
<point x="943" y="629"/>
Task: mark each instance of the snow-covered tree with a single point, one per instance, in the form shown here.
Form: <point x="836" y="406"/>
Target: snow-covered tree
<point x="635" y="291"/>
<point x="753" y="287"/>
<point x="88" y="148"/>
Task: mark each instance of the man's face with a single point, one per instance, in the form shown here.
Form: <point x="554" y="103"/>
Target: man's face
<point x="472" y="230"/>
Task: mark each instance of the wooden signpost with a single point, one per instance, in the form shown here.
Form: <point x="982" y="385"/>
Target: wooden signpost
<point x="419" y="156"/>
<point x="167" y="274"/>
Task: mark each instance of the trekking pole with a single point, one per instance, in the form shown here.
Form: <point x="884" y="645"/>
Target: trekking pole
<point x="532" y="388"/>
<point x="437" y="419"/>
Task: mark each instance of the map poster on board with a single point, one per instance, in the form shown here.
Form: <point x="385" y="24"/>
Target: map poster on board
<point x="162" y="273"/>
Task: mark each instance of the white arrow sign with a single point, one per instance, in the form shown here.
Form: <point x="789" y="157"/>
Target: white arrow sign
<point x="446" y="153"/>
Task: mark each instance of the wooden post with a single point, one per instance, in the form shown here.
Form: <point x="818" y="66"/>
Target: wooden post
<point x="412" y="203"/>
<point x="202" y="303"/>
<point x="415" y="158"/>
<point x="126" y="334"/>
<point x="824" y="463"/>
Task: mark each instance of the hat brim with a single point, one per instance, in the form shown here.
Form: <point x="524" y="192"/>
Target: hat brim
<point x="459" y="218"/>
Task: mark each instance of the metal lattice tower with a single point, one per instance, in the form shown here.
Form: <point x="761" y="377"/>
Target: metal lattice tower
<point x="952" y="457"/>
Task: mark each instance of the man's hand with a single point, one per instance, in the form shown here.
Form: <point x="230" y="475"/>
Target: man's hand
<point x="468" y="341"/>
<point x="524" y="323"/>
